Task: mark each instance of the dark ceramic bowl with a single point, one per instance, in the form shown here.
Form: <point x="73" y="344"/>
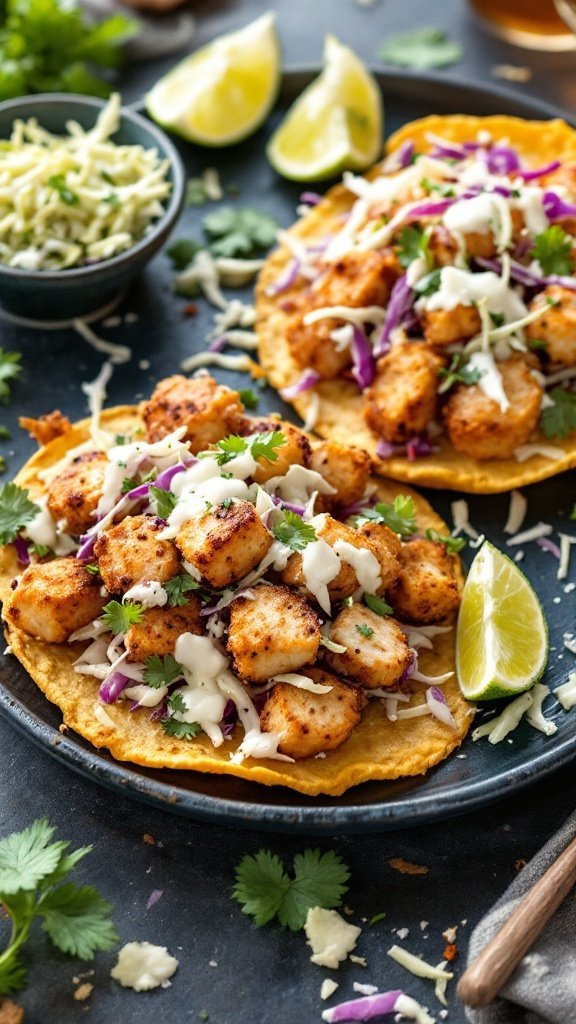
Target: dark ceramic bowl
<point x="66" y="294"/>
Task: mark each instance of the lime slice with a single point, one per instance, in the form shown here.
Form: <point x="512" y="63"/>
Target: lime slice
<point x="335" y="124"/>
<point x="502" y="636"/>
<point x="223" y="92"/>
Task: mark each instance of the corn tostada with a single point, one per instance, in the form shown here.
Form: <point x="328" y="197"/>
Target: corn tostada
<point x="429" y="308"/>
<point x="200" y="589"/>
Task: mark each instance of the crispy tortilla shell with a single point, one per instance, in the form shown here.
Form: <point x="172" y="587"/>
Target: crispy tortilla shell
<point x="377" y="749"/>
<point x="340" y="403"/>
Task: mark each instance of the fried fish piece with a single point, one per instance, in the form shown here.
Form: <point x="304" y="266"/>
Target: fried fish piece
<point x="208" y="410"/>
<point x="275" y="631"/>
<point x="53" y="599"/>
<point x="556" y="327"/>
<point x="74" y="494"/>
<point x="225" y="542"/>
<point x="402" y="399"/>
<point x="296" y="450"/>
<point x="159" y="629"/>
<point x="310" y="723"/>
<point x="45" y="428"/>
<point x="377" y="652"/>
<point x="346" y="582"/>
<point x="132" y="552"/>
<point x="426" y="589"/>
<point x="345" y="468"/>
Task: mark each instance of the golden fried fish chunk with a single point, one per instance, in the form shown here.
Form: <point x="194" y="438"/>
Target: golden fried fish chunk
<point x="556" y="327"/>
<point x="225" y="542"/>
<point x="275" y="631"/>
<point x="346" y="582"/>
<point x="426" y="589"/>
<point x="345" y="468"/>
<point x="74" y="494"/>
<point x="53" y="599"/>
<point x="132" y="552"/>
<point x="402" y="399"/>
<point x="310" y="723"/>
<point x="159" y="629"/>
<point x="377" y="652"/>
<point x="295" y="451"/>
<point x="208" y="410"/>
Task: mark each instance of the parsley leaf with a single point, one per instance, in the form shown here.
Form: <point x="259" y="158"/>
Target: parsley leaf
<point x="182" y="252"/>
<point x="181" y="730"/>
<point x="249" y="398"/>
<point x="290" y="529"/>
<point x="559" y="420"/>
<point x="16" y="510"/>
<point x="27" y="857"/>
<point x="452" y="544"/>
<point x="228" y="448"/>
<point x="239" y="231"/>
<point x="413" y="244"/>
<point x="161" y="671"/>
<point x="265" y="890"/>
<point x="178" y="587"/>
<point x="10" y="369"/>
<point x="163" y="500"/>
<point x="458" y="373"/>
<point x="421" y="48"/>
<point x="77" y="920"/>
<point x="553" y="248"/>
<point x="119" y="617"/>
<point x="364" y="630"/>
<point x="400" y="516"/>
<point x="377" y="604"/>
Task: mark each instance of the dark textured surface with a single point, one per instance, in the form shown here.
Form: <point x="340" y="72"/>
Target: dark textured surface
<point x="264" y="976"/>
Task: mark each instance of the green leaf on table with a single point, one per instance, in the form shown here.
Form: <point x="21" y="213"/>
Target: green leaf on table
<point x="27" y="857"/>
<point x="239" y="231"/>
<point x="77" y="920"/>
<point x="421" y="48"/>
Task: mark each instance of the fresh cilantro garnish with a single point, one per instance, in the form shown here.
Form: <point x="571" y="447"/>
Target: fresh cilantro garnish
<point x="161" y="671"/>
<point x="291" y="530"/>
<point x="364" y="630"/>
<point x="75" y="918"/>
<point x="228" y="448"/>
<point x="413" y="245"/>
<point x="559" y="420"/>
<point x="249" y="398"/>
<point x="400" y="516"/>
<point x="376" y="918"/>
<point x="452" y="544"/>
<point x="262" y="446"/>
<point x="195" y="192"/>
<point x="377" y="604"/>
<point x="226" y="504"/>
<point x="59" y="184"/>
<point x="128" y="484"/>
<point x="498" y="319"/>
<point x="239" y="231"/>
<point x="421" y="48"/>
<point x="119" y="617"/>
<point x="16" y="510"/>
<point x="176" y="703"/>
<point x="94" y="570"/>
<point x="428" y="284"/>
<point x="181" y="730"/>
<point x="458" y="373"/>
<point x="553" y="248"/>
<point x="10" y="369"/>
<point x="41" y="550"/>
<point x="440" y="187"/>
<point x="178" y="587"/>
<point x="265" y="890"/>
<point x="182" y="252"/>
<point x="164" y="501"/>
<point x="536" y="343"/>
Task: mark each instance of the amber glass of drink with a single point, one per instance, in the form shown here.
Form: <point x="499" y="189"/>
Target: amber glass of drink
<point x="535" y="24"/>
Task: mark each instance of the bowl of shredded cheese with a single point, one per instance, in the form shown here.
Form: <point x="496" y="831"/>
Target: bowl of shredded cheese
<point x="89" y="191"/>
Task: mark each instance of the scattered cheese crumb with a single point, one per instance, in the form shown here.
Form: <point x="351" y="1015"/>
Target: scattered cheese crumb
<point x="365" y="990"/>
<point x="536" y="965"/>
<point x="518" y="556"/>
<point x="534" y="533"/>
<point x="144" y="364"/>
<point x="424" y="925"/>
<point x="361" y="961"/>
<point x="403" y="933"/>
<point x="569" y="641"/>
<point x="83" y="991"/>
<point x="416" y="965"/>
<point x="143" y="966"/>
<point x="328" y="988"/>
<point x="450" y="934"/>
<point x="461" y="522"/>
<point x="512" y="72"/>
<point x="330" y="937"/>
<point x="516" y="512"/>
<point x="213" y="963"/>
<point x="566" y="693"/>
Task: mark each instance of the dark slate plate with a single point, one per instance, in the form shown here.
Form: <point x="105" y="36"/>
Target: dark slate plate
<point x="57" y="361"/>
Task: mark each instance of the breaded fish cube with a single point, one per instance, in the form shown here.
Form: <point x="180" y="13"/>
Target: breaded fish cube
<point x="74" y="494"/>
<point x="310" y="723"/>
<point x="402" y="400"/>
<point x="275" y="631"/>
<point x="443" y="327"/>
<point x="388" y="546"/>
<point x="426" y="589"/>
<point x="132" y="552"/>
<point x="225" y="542"/>
<point x="53" y="599"/>
<point x="296" y="450"/>
<point x="345" y="468"/>
<point x="346" y="582"/>
<point x="442" y="247"/>
<point x="377" y="650"/>
<point x="556" y="327"/>
<point x="159" y="629"/>
<point x="476" y="424"/>
<point x="208" y="410"/>
<point x="357" y="279"/>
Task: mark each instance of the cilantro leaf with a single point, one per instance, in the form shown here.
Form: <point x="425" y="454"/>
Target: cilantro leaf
<point x="452" y="544"/>
<point x="263" y="446"/>
<point x="364" y="630"/>
<point x="239" y="231"/>
<point x="553" y="249"/>
<point x="265" y="890"/>
<point x="128" y="484"/>
<point x="181" y="730"/>
<point x="249" y="398"/>
<point x="76" y="918"/>
<point x="16" y="510"/>
<point x="228" y="448"/>
<point x="413" y="244"/>
<point x="290" y="529"/>
<point x="42" y="550"/>
<point x="421" y="48"/>
<point x="178" y="587"/>
<point x="119" y="617"/>
<point x="458" y="373"/>
<point x="161" y="671"/>
<point x="182" y="252"/>
<point x="196" y="192"/>
<point x="400" y="516"/>
<point x="176" y="703"/>
<point x="377" y="604"/>
<point x="10" y="369"/>
<point x="163" y="500"/>
<point x="93" y="569"/>
<point x="27" y="857"/>
<point x="559" y="420"/>
<point x="429" y="284"/>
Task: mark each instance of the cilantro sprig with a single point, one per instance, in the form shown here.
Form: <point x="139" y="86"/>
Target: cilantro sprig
<point x="239" y="231"/>
<point x="262" y="446"/>
<point x="378" y="604"/>
<point x="10" y="369"/>
<point x="265" y="890"/>
<point x="177" y="587"/>
<point x="458" y="373"/>
<point x="421" y="48"/>
<point x="16" y="510"/>
<point x="400" y="516"/>
<point x="559" y="419"/>
<point x="33" y="884"/>
<point x="162" y="671"/>
<point x="414" y="244"/>
<point x="119" y="617"/>
<point x="553" y="249"/>
<point x="164" y="501"/>
<point x="291" y="530"/>
<point x="364" y="630"/>
<point x="452" y="544"/>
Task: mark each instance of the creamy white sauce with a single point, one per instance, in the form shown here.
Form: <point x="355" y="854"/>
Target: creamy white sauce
<point x="364" y="562"/>
<point x="202" y="663"/>
<point x="486" y="213"/>
<point x="126" y="459"/>
<point x="150" y="594"/>
<point x="298" y="485"/>
<point x="193" y="500"/>
<point x="43" y="530"/>
<point x="143" y="966"/>
<point x="147" y="696"/>
<point x="320" y="565"/>
<point x="462" y="288"/>
<point x="490" y="381"/>
<point x="529" y="202"/>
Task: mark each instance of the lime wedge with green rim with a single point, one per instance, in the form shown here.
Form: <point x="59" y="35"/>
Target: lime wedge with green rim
<point x="502" y="635"/>
<point x="223" y="92"/>
<point x="335" y="124"/>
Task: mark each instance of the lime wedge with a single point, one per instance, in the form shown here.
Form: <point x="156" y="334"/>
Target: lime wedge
<point x="335" y="124"/>
<point x="223" y="92"/>
<point x="502" y="636"/>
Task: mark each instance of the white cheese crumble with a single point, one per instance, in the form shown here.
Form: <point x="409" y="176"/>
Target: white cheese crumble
<point x="535" y="715"/>
<point x="365" y="990"/>
<point x="461" y="521"/>
<point x="143" y="966"/>
<point x="534" y="533"/>
<point x="417" y="966"/>
<point x="498" y="728"/>
<point x="328" y="988"/>
<point x="330" y="937"/>
<point x="516" y="512"/>
<point x="566" y="693"/>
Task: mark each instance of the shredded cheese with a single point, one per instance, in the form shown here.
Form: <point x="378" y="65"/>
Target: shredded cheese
<point x="516" y="512"/>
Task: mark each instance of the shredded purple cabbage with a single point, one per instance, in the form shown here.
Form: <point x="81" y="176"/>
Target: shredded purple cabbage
<point x="259" y="700"/>
<point x="21" y="547"/>
<point x="160" y="711"/>
<point x="153" y="898"/>
<point x="400" y="303"/>
<point x="311" y="198"/>
<point x="526" y="277"/>
<point x="449" y="151"/>
<point x="410" y="668"/>
<point x="112" y="687"/>
<point x="405" y="154"/>
<point x="86" y="549"/>
<point x="385" y="450"/>
<point x="229" y="719"/>
<point x="555" y="207"/>
<point x="540" y="171"/>
<point x="364" y="367"/>
<point x="298" y="509"/>
<point x="432" y="209"/>
<point x="217" y="344"/>
<point x="307" y="380"/>
<point x="286" y="279"/>
<point x="438" y="705"/>
<point x="162" y="481"/>
<point x="363" y="1009"/>
<point x="356" y="507"/>
<point x="418" y="447"/>
<point x="548" y="545"/>
<point x="500" y="159"/>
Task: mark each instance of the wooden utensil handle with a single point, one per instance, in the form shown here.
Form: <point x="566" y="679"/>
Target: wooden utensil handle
<point x="485" y="977"/>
